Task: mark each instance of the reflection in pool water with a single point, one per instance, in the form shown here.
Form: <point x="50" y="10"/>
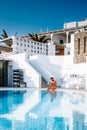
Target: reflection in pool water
<point x="42" y="110"/>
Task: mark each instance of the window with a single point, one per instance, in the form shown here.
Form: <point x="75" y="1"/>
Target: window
<point x="61" y="41"/>
<point x="78" y="46"/>
<point x="25" y="45"/>
<point x="17" y="43"/>
<point x="84" y="45"/>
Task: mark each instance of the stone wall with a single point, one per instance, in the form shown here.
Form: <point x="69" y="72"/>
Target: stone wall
<point x="81" y="57"/>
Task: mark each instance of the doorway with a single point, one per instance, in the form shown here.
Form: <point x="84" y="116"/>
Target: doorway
<point x="59" y="50"/>
<point x="3" y="73"/>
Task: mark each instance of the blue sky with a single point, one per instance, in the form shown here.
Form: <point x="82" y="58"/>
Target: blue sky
<point x="31" y="16"/>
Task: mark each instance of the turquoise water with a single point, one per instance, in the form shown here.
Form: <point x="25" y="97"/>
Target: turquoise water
<point x="42" y="110"/>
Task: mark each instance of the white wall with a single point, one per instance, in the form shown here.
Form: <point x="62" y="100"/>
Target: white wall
<point x="31" y="76"/>
<point x="32" y="47"/>
<point x="56" y="38"/>
<point x="75" y="24"/>
<point x="51" y="49"/>
<point x="70" y="25"/>
<point x="82" y="23"/>
<point x="56" y="66"/>
<point x="67" y="50"/>
<point x="61" y="68"/>
<point x="22" y="45"/>
<point x="70" y="47"/>
<point x="81" y="69"/>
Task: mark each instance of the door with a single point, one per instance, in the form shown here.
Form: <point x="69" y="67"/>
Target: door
<point x="10" y="75"/>
<point x="3" y="73"/>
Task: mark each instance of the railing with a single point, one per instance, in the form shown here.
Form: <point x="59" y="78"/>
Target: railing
<point x="42" y="70"/>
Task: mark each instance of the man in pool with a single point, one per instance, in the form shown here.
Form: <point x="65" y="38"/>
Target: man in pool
<point x="52" y="85"/>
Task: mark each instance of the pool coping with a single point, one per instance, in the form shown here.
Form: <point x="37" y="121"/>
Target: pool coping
<point x="58" y="89"/>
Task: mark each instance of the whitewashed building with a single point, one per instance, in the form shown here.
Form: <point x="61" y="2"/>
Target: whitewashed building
<point x="40" y="61"/>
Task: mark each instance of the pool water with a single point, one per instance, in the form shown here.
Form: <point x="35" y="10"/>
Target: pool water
<point x="42" y="110"/>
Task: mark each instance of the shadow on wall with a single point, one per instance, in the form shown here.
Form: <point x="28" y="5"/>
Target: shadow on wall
<point x="47" y="68"/>
<point x="54" y="69"/>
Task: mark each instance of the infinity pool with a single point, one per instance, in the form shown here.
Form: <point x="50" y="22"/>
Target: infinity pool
<point x="42" y="110"/>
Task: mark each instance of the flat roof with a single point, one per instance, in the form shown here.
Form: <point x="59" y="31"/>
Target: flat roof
<point x="60" y="31"/>
<point x="7" y="40"/>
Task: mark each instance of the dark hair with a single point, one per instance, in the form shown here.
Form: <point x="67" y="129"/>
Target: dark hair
<point x="51" y="78"/>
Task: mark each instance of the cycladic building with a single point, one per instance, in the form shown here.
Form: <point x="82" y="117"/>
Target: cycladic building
<point x="60" y="58"/>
